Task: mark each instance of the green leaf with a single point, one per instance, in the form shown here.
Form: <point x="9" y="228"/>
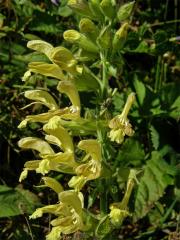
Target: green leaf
<point x="64" y="11"/>
<point x="86" y="81"/>
<point x="157" y="176"/>
<point x="175" y="108"/>
<point x="131" y="153"/>
<point x="154" y="137"/>
<point x="16" y="201"/>
<point x="104" y="227"/>
<point x="142" y="48"/>
<point x="140" y="90"/>
<point x="161" y="40"/>
<point x="169" y="94"/>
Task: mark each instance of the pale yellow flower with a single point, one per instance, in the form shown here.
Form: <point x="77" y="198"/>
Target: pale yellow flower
<point x="43" y="97"/>
<point x="68" y="214"/>
<point x="62" y="161"/>
<point x="120" y="125"/>
<point x="91" y="168"/>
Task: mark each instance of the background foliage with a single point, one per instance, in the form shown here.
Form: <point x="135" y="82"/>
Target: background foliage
<point x="150" y="67"/>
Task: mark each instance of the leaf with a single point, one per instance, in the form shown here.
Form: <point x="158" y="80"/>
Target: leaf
<point x="169" y="94"/>
<point x="140" y="90"/>
<point x="142" y="48"/>
<point x="175" y="108"/>
<point x="119" y="100"/>
<point x="157" y="176"/>
<point x="86" y="81"/>
<point x="104" y="227"/>
<point x="65" y="11"/>
<point x="16" y="201"/>
<point x="170" y="99"/>
<point x="131" y="153"/>
<point x="161" y="41"/>
<point x="156" y="214"/>
<point x="154" y="137"/>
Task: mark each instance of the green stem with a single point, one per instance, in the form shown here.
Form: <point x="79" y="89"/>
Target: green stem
<point x="103" y="197"/>
<point x="104" y="74"/>
<point x="163" y="23"/>
<point x="158" y="74"/>
<point x="168" y="211"/>
<point x="102" y="182"/>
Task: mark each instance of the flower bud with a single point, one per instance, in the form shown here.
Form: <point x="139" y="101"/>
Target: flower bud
<point x="89" y="28"/>
<point x="95" y="8"/>
<point x="120" y="37"/>
<point x="125" y="10"/>
<point x="104" y="38"/>
<point x="81" y="7"/>
<point x="26" y="76"/>
<point x="108" y="8"/>
<point x="74" y="36"/>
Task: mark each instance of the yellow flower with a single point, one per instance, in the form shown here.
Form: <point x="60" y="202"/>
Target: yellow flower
<point x="43" y="97"/>
<point x="117" y="215"/>
<point x="120" y="125"/>
<point x="91" y="169"/>
<point x="68" y="214"/>
<point x="119" y="210"/>
<point x="62" y="161"/>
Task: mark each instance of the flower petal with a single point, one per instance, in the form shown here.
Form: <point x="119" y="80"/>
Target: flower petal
<point x="92" y="147"/>
<point x="42" y="96"/>
<point x="70" y="90"/>
<point x="53" y="184"/>
<point x="71" y="198"/>
<point x="35" y="144"/>
<point x="40" y="46"/>
<point x="53" y="127"/>
<point x="46" y="69"/>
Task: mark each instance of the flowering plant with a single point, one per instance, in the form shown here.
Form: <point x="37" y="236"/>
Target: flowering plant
<point x="80" y="141"/>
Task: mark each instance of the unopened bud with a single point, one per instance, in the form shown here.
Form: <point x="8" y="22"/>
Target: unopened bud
<point x="104" y="38"/>
<point x="85" y="43"/>
<point x="108" y="8"/>
<point x="125" y="10"/>
<point x="95" y="8"/>
<point x="89" y="28"/>
<point x="81" y="7"/>
<point x="120" y="37"/>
